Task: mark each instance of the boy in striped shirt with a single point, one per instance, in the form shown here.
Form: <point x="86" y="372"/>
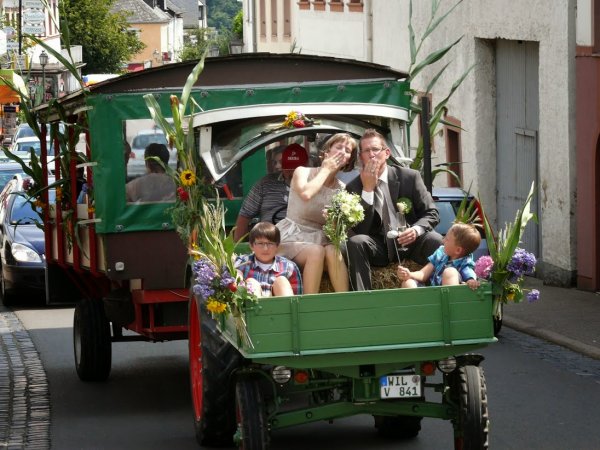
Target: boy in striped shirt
<point x="266" y="273"/>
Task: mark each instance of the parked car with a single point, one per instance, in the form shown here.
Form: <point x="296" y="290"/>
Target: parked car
<point x="8" y="170"/>
<point x="448" y="201"/>
<point x="137" y="163"/>
<point x="22" y="148"/>
<point x="22" y="261"/>
<point x="22" y="131"/>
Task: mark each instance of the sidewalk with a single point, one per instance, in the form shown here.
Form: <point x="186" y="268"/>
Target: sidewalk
<point x="564" y="316"/>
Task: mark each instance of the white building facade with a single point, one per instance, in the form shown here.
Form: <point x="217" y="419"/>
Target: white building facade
<point x="516" y="108"/>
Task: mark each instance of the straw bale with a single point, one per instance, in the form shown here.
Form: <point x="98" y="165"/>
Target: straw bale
<point x="381" y="277"/>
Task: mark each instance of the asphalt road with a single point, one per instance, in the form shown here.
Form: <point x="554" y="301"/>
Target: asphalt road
<point x="540" y="396"/>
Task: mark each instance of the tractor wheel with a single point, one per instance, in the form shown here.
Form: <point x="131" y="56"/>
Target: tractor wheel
<point x="212" y="363"/>
<point x="91" y="341"/>
<point x="472" y="427"/>
<point x="253" y="431"/>
<point x="398" y="427"/>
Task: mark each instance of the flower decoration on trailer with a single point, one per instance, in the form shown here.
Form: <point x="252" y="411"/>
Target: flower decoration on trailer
<point x="345" y="212"/>
<point x="200" y="223"/>
<point x="508" y="264"/>
<point x="216" y="279"/>
<point x="295" y="119"/>
<point x="190" y="192"/>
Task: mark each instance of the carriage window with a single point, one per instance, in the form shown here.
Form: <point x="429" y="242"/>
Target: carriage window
<point x="145" y="144"/>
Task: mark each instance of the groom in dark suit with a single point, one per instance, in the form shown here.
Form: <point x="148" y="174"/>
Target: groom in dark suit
<point x="380" y="186"/>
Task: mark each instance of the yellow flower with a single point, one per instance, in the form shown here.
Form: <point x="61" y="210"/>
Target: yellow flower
<point x="289" y="119"/>
<point x="59" y="194"/>
<point x="39" y="203"/>
<point x="510" y="296"/>
<point x="91" y="210"/>
<point x="187" y="178"/>
<point x="216" y="306"/>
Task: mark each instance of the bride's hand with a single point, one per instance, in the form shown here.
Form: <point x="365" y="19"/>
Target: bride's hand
<point x="333" y="162"/>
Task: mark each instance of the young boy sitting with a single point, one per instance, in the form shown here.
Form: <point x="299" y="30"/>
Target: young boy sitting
<point x="452" y="263"/>
<point x="265" y="272"/>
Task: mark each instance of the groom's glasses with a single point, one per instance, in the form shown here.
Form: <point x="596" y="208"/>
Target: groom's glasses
<point x="374" y="150"/>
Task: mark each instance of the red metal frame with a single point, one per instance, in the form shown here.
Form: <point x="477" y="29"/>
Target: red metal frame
<point x="146" y="299"/>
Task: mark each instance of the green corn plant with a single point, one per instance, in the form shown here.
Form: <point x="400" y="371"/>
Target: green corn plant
<point x="417" y="66"/>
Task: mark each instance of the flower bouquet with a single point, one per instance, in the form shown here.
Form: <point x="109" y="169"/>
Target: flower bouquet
<point x="216" y="278"/>
<point x="345" y="212"/>
<point x="507" y="264"/>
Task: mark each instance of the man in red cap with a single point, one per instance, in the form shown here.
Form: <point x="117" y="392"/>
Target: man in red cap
<point x="267" y="200"/>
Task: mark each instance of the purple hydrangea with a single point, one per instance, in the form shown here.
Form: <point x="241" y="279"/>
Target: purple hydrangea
<point x="204" y="273"/>
<point x="533" y="295"/>
<point x="226" y="278"/>
<point x="522" y="263"/>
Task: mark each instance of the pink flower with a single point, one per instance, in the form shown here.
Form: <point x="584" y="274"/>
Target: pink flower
<point x="483" y="267"/>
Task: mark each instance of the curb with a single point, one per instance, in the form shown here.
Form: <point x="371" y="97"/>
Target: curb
<point x="24" y="393"/>
<point x="556" y="338"/>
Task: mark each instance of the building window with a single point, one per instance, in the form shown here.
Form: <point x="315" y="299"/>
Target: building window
<point x="304" y="4"/>
<point x="274" y="18"/>
<point x="319" y="5"/>
<point x="453" y="150"/>
<point x="355" y="5"/>
<point x="287" y="22"/>
<point x="336" y="5"/>
<point x="262" y="15"/>
<point x="596" y="26"/>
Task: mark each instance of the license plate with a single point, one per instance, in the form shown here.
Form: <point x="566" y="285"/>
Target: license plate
<point x="400" y="386"/>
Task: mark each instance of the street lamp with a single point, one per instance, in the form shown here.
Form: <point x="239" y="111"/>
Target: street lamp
<point x="43" y="63"/>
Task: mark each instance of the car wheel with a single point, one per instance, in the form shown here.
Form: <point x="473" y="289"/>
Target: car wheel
<point x="7" y="296"/>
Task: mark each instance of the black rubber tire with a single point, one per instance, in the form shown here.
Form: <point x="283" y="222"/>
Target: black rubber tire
<point x="498" y="321"/>
<point x="253" y="430"/>
<point x="8" y="298"/>
<point x="473" y="419"/>
<point x="91" y="341"/>
<point x="398" y="427"/>
<point x="211" y="379"/>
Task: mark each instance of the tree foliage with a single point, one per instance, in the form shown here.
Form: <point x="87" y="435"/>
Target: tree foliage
<point x="195" y="43"/>
<point x="221" y="13"/>
<point x="106" y="42"/>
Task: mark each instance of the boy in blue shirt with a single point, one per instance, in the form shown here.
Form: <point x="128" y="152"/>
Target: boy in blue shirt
<point x="452" y="263"/>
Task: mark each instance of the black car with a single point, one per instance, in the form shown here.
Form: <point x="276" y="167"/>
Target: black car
<point x="22" y="269"/>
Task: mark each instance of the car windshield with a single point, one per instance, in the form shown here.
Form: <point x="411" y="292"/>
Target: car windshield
<point x="447" y="212"/>
<point x="7" y="175"/>
<point x="24" y="131"/>
<point x="144" y="140"/>
<point x="23" y="213"/>
<point x="36" y="146"/>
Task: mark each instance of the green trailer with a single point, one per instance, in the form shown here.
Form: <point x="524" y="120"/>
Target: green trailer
<point x="327" y="356"/>
<point x="311" y="357"/>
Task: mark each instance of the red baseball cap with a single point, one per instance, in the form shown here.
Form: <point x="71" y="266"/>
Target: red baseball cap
<point x="293" y="156"/>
